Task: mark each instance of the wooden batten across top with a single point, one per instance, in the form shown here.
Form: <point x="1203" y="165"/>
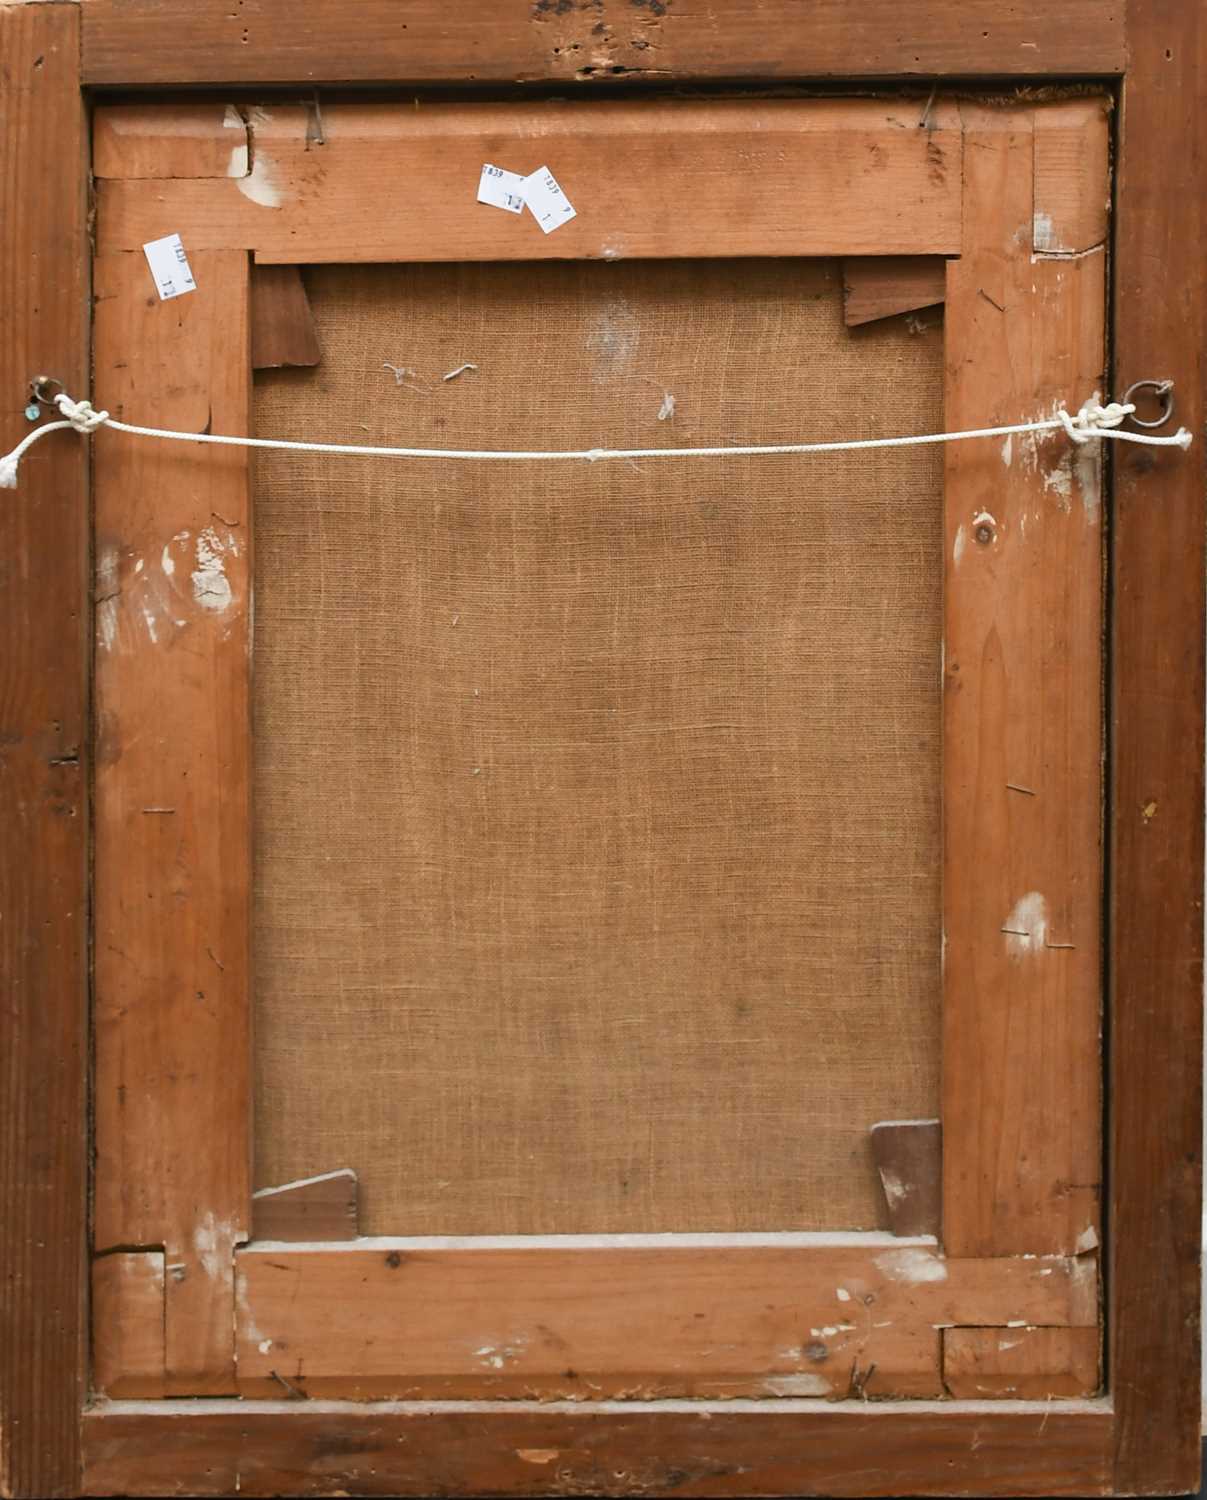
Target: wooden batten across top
<point x="673" y="178"/>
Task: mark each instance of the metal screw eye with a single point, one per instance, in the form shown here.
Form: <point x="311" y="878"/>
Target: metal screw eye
<point x="41" y="389"/>
<point x="1162" y="390"/>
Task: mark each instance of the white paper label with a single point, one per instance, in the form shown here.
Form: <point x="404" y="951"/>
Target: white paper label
<point x="550" y="206"/>
<point x="169" y="266"/>
<point x="501" y="189"/>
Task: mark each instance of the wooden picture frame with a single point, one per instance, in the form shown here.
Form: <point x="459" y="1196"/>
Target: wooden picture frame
<point x="978" y="170"/>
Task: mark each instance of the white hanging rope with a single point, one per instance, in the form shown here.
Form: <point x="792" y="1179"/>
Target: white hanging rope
<point x="1092" y="421"/>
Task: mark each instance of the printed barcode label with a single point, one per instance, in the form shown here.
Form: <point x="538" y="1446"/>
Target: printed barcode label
<point x="550" y="206"/>
<point x="169" y="266"/>
<point x="501" y="189"/>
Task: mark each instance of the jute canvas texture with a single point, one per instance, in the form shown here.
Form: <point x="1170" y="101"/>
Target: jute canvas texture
<point x="597" y="806"/>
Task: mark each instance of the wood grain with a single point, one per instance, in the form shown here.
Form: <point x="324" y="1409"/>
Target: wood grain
<point x="1021" y="1364"/>
<point x="185" y="140"/>
<point x="1157" y="631"/>
<point x="881" y="287"/>
<point x="317" y="1208"/>
<point x="406" y="1319"/>
<point x="599" y="42"/>
<point x="172" y="850"/>
<point x="1072" y="176"/>
<point x="282" y="325"/>
<point x="1022" y="727"/>
<point x="909" y="1158"/>
<point x="43" y="762"/>
<point x="669" y="178"/>
<point x="127" y="1323"/>
<point x="777" y="1448"/>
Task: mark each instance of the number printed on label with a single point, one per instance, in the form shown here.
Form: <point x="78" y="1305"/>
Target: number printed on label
<point x="501" y="189"/>
<point x="543" y="195"/>
<point x="169" y="266"/>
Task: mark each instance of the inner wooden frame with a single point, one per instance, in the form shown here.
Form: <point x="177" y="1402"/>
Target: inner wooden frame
<point x="1015" y="199"/>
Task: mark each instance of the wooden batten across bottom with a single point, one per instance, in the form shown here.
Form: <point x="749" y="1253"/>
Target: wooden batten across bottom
<point x="636" y="1317"/>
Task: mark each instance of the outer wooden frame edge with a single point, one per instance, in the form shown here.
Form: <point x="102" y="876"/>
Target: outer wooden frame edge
<point x="1152" y="1227"/>
<point x="43" y="762"/>
<point x="735" y="1448"/>
<point x="1155" y="917"/>
<point x="592" y="42"/>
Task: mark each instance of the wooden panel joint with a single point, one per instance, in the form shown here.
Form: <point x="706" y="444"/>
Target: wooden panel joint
<point x="128" y="1300"/>
<point x="282" y="325"/>
<point x="1021" y="1363"/>
<point x="883" y="286"/>
<point x="909" y="1162"/>
<point x="1072" y="177"/>
<point x="137" y="141"/>
<point x="315" y="1208"/>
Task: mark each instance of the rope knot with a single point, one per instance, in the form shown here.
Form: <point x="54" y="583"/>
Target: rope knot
<point x="1094" y="419"/>
<point x="81" y="414"/>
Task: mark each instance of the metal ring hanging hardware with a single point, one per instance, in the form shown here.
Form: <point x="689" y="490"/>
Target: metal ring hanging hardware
<point x="40" y="389"/>
<point x="1163" y="390"/>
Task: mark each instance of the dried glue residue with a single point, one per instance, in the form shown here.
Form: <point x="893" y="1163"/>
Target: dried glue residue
<point x="1043" y="235"/>
<point x="107" y="561"/>
<point x="797" y="1385"/>
<point x="1026" y="928"/>
<point x="262" y="184"/>
<point x="613" y="341"/>
<point x="1058" y="480"/>
<point x="213" y="1241"/>
<point x="912" y="1266"/>
<point x="895" y="1191"/>
<point x="1087" y="471"/>
<point x="211" y="586"/>
<point x="499" y="1356"/>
